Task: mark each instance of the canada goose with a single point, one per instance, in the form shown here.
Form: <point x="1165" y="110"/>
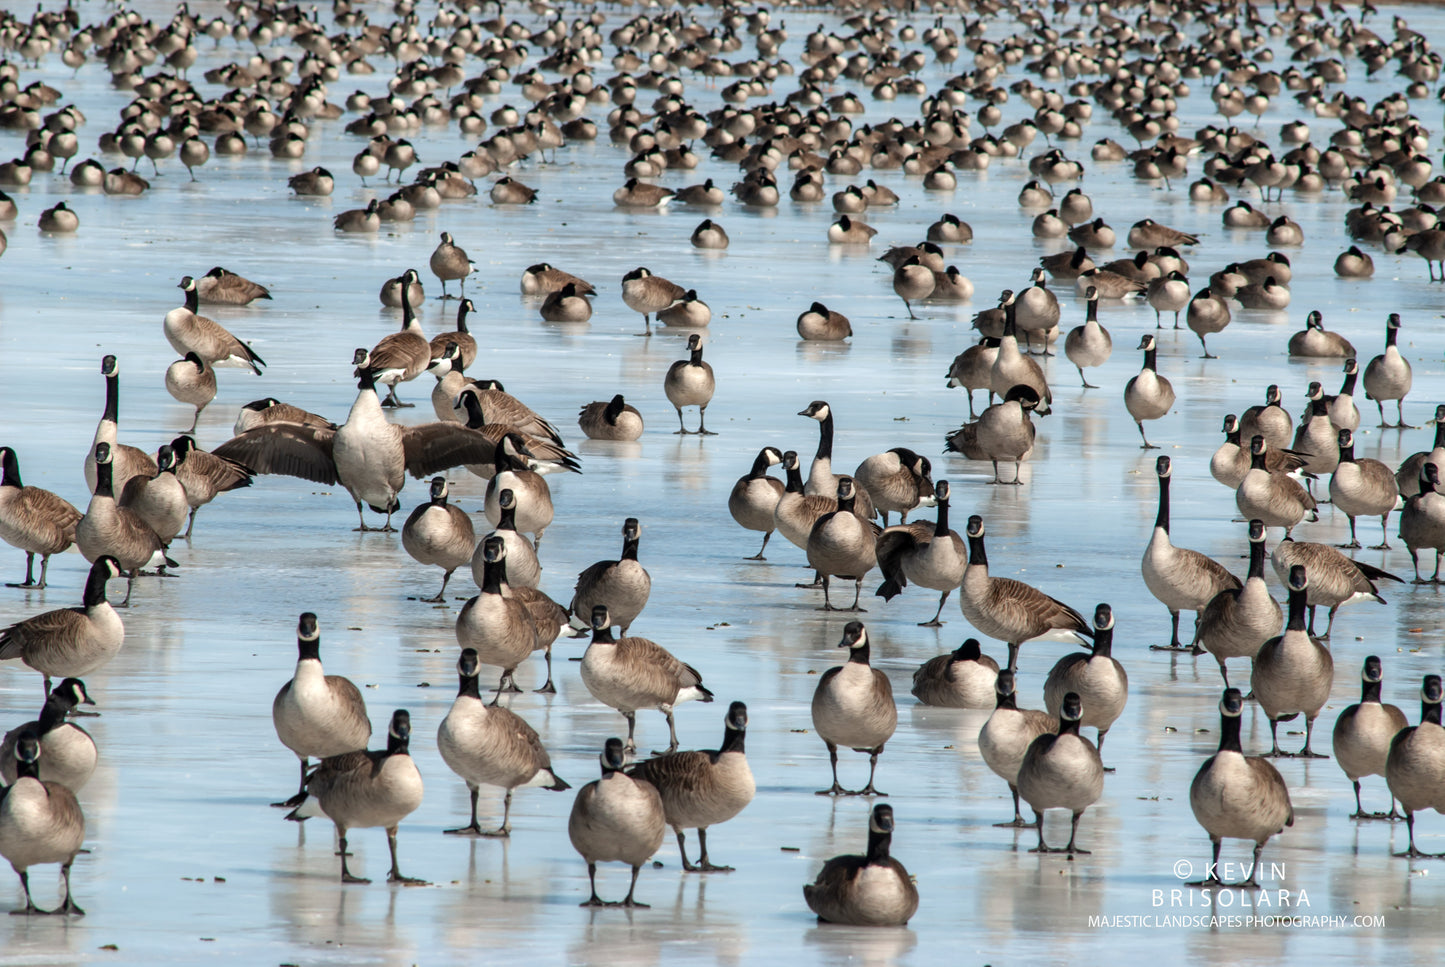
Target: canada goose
<point x="118" y="181"/>
<point x="853" y="707"/>
<point x="1353" y="263"/>
<point x="615" y="419"/>
<point x="316" y="714"/>
<point x="842" y="544"/>
<point x="1341" y="407"/>
<point x="1061" y="770"/>
<point x="1036" y="309"/>
<point x="1231" y="461"/>
<point x="1270" y="420"/>
<point x="1236" y="796"/>
<point x="1168" y="293"/>
<point x="973" y="369"/>
<point x="188" y="332"/>
<point x="1012" y="368"/>
<point x="1363" y="488"/>
<point x="59" y="220"/>
<point x="1093" y="235"/>
<point x="365" y="788"/>
<point x="931" y="556"/>
<point x="1430" y="246"/>
<point x="512" y="463"/>
<point x="1422" y="522"/>
<point x="40" y="822"/>
<point x="367" y="455"/>
<point x="1148" y="396"/>
<point x="950" y="229"/>
<point x="754" y="498"/>
<point x="1413" y="766"/>
<point x="400" y="356"/>
<point x="491" y="747"/>
<point x="494" y="622"/>
<point x="1316" y="436"/>
<point x="566" y="305"/>
<point x="850" y="231"/>
<point x="690" y="382"/>
<point x="821" y="479"/>
<point x="1007" y="735"/>
<point x="159" y="501"/>
<point x="1150" y="234"/>
<point x="317" y="181"/>
<point x="1011" y="611"/>
<point x="798" y="511"/>
<point x="543" y="456"/>
<point x="109" y="529"/>
<point x="640" y="194"/>
<point x="1293" y="671"/>
<point x="499" y="406"/>
<point x="222" y="287"/>
<point x="543" y="279"/>
<point x="709" y="235"/>
<point x="69" y="754"/>
<point x="439" y="533"/>
<point x="871" y="890"/>
<point x="649" y="294"/>
<point x="704" y="194"/>
<point x="1335" y="580"/>
<point x="896" y="480"/>
<point x="850" y="201"/>
<point x="191" y="380"/>
<point x="688" y="312"/>
<point x="912" y="282"/>
<point x="963" y="678"/>
<point x="1272" y="496"/>
<point x="1387" y="377"/>
<point x="401" y="289"/>
<point x="1002" y="432"/>
<point x="363" y="220"/>
<point x="630" y="673"/>
<point x="1244" y="215"/>
<point x="818" y="322"/>
<point x="616" y="818"/>
<point x="1284" y="231"/>
<point x="1068" y="265"/>
<point x="462" y="337"/>
<point x="1089" y="344"/>
<point x="34" y="520"/>
<point x="399" y="156"/>
<point x="523" y="570"/>
<point x="1238" y="620"/>
<point x="1407" y="477"/>
<point x="69" y="642"/>
<point x="449" y="262"/>
<point x="205" y="475"/>
<point x="702" y="789"/>
<point x="622" y="585"/>
<point x="1363" y="734"/>
<point x="1097" y="677"/>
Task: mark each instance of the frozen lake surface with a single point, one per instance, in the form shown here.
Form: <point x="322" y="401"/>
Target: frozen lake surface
<point x="188" y="863"/>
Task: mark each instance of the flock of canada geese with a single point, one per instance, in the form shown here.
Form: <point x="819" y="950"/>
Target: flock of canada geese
<point x="1068" y="62"/>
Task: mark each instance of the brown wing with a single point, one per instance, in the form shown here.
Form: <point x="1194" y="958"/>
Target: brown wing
<point x="661" y="660"/>
<point x="398" y="351"/>
<point x="221" y="472"/>
<point x="1218" y="573"/>
<point x="433" y="447"/>
<point x="350" y="700"/>
<point x="285" y="448"/>
<point x="1025" y="605"/>
<point x="674" y="771"/>
<point x="964" y="440"/>
<point x="66" y="623"/>
<point x="47" y="506"/>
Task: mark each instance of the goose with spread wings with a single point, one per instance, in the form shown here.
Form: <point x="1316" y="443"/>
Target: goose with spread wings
<point x="367" y="455"/>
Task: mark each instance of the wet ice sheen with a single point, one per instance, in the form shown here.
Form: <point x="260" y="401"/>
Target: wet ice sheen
<point x="189" y="757"/>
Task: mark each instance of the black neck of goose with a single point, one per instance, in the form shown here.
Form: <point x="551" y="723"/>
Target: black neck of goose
<point x="614" y="409"/>
<point x="760" y="467"/>
<point x="469" y="686"/>
<point x="629" y="548"/>
<point x="825" y="437"/>
<point x="1256" y="460"/>
<point x="1091" y="311"/>
<point x="193" y="297"/>
<point x="308" y="649"/>
<point x="23" y="770"/>
<point x="733" y="740"/>
<point x="695" y="357"/>
<point x="795" y="479"/>
<point x="1229" y="734"/>
<point x="494" y="575"/>
<point x="1347" y="454"/>
<point x="1149" y="355"/>
<point x="112" y="398"/>
<point x="1370" y="691"/>
<point x="1161" y="520"/>
<point x="1103" y="642"/>
<point x="1069" y="726"/>
<point x="1348" y="387"/>
<point x="1232" y="436"/>
<point x="878" y="844"/>
<point x="976" y="553"/>
<point x="861" y="654"/>
<point x="11" y="471"/>
<point x="1439" y="434"/>
<point x="439" y="500"/>
<point x="461" y="324"/>
<point x="940" y="527"/>
<point x="1010" y="325"/>
<point x="507" y="519"/>
<point x="53" y="712"/>
<point x="103" y="480"/>
<point x="1298" y="599"/>
<point x="1009" y="701"/>
<point x="408" y="314"/>
<point x="396" y="745"/>
<point x="603" y="635"/>
<point x="1256" y="559"/>
<point x="1429" y="712"/>
<point x="1319" y="407"/>
<point x="1390" y="333"/>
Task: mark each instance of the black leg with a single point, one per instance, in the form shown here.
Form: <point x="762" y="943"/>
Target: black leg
<point x="702" y="861"/>
<point x="868" y="790"/>
<point x="395" y="875"/>
<point x="1073" y="832"/>
<point x="346" y="875"/>
<point x="472" y="829"/>
<point x="632" y="888"/>
<point x="1018" y="820"/>
<point x="682" y="850"/>
<point x="759" y="555"/>
<point x="594" y="900"/>
<point x="835" y="789"/>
